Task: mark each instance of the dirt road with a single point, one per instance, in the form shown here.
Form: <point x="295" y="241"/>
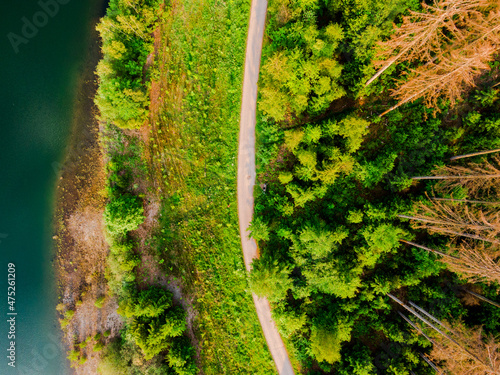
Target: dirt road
<point x="246" y="176"/>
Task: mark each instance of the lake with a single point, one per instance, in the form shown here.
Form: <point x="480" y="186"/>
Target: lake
<point x="42" y="50"/>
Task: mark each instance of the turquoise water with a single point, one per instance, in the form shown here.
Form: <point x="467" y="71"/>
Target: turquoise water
<point x="38" y="76"/>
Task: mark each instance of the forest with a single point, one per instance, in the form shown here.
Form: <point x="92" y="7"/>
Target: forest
<point x="376" y="196"/>
<point x="378" y="231"/>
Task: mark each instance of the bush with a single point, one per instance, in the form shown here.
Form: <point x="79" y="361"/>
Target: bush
<point x="82" y="345"/>
<point x="99" y="303"/>
<point x="73" y="355"/>
<point x="180" y="357"/>
<point x="123" y="214"/>
<point x="113" y="361"/>
<point x="65" y="322"/>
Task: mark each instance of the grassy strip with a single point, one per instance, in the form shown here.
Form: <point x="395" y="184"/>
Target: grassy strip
<point x="193" y="142"/>
<point x="153" y="339"/>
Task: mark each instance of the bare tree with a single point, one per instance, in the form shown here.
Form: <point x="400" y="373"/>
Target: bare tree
<point x="449" y="78"/>
<point x="423" y="34"/>
<point x="442" y="330"/>
<point x="440" y="217"/>
<point x="486" y="352"/>
<point x="453" y="40"/>
<point x="461" y="350"/>
<point x="478" y="178"/>
<point x="474" y="154"/>
<point x="473" y="263"/>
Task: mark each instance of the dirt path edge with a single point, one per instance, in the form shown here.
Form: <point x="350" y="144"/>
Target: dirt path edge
<point x="246" y="177"/>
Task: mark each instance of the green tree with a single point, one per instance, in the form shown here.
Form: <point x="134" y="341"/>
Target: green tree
<point x="272" y="281"/>
<point x="326" y="342"/>
<point x="123" y="214"/>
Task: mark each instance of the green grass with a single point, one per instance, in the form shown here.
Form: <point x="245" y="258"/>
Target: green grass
<point x="193" y="145"/>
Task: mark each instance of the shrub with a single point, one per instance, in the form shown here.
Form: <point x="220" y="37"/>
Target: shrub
<point x="180" y="357"/>
<point x="123" y="214"/>
<point x="73" y="355"/>
<point x="65" y="322"/>
<point x="82" y="345"/>
<point x="113" y="361"/>
<point x="99" y="303"/>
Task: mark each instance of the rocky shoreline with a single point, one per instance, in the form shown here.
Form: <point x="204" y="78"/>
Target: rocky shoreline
<point x="81" y="249"/>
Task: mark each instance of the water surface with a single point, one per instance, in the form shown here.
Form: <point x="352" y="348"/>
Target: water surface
<point x="39" y="73"/>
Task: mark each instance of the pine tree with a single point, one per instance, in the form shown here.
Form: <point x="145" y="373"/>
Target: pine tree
<point x="424" y="36"/>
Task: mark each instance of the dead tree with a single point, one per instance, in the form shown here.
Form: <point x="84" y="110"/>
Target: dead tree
<point x="474" y="154"/>
<point x="449" y="78"/>
<point x="480" y="297"/>
<point x="439" y="217"/>
<point x="423" y="35"/>
<point x="473" y="263"/>
<point x="478" y="178"/>
<point x="486" y="352"/>
<point x="432" y="325"/>
<point x="461" y="350"/>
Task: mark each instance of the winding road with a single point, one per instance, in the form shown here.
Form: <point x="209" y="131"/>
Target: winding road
<point x="246" y="177"/>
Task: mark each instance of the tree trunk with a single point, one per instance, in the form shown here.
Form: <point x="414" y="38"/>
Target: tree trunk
<point x="455" y="177"/>
<point x="415" y="306"/>
<point x="443" y="230"/>
<point x="417" y="328"/>
<point x="481" y="297"/>
<point x="474" y="154"/>
<point x="433" y="326"/>
<point x="423" y="220"/>
<point x="430" y="363"/>
<point x="468" y="236"/>
<point x="463" y="200"/>
<point x="428" y="249"/>
<point x="384" y="68"/>
<point x="400" y="103"/>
